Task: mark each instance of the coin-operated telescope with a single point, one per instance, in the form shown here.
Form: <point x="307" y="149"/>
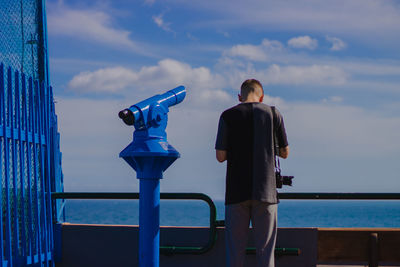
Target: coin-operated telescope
<point x="150" y="155"/>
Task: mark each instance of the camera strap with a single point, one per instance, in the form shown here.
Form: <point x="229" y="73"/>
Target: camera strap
<point x="275" y="142"/>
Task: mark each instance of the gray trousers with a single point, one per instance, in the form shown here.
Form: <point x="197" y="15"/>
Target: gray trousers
<point x="263" y="217"/>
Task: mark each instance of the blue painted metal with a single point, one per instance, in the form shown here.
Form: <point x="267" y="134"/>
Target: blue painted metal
<point x="150" y="155"/>
<point x="2" y="106"/>
<point x="30" y="160"/>
<point x="14" y="214"/>
<point x="7" y="172"/>
<point x="29" y="170"/>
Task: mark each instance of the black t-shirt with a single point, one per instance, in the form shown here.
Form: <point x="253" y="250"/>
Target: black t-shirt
<point x="245" y="131"/>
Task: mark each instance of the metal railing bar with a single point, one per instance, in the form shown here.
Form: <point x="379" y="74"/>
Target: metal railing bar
<point x="18" y="113"/>
<point x="33" y="110"/>
<point x="165" y="196"/>
<point x="328" y="196"/>
<point x="46" y="101"/>
<point x="94" y="195"/>
<point x="41" y="168"/>
<point x="28" y="123"/>
<point x="2" y="118"/>
<point x="13" y="134"/>
<point x="341" y="196"/>
<point x="6" y="115"/>
<point x="213" y="222"/>
<point x="11" y="98"/>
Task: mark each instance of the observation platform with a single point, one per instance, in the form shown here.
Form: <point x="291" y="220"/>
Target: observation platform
<point x="117" y="245"/>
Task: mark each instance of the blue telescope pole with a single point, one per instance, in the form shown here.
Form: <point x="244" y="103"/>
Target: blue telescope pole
<point x="149" y="154"/>
<point x="149" y="222"/>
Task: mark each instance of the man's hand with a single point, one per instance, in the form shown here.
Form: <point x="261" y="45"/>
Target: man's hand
<point x="221" y="155"/>
<point x="284" y="152"/>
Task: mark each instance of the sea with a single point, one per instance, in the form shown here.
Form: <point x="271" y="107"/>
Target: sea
<point x="291" y="213"/>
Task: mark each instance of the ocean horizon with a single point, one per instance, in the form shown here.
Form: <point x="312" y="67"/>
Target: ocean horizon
<point x="291" y="213"/>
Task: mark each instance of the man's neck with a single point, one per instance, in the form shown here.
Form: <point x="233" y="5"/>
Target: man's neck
<point x="252" y="99"/>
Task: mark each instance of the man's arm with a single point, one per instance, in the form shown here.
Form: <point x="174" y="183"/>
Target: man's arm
<point x="221" y="142"/>
<point x="221" y="155"/>
<point x="280" y="132"/>
<point x="284" y="152"/>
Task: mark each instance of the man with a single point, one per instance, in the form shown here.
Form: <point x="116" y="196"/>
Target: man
<point x="245" y="139"/>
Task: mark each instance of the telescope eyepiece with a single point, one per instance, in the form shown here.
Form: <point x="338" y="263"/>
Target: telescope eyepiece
<point x="127" y="116"/>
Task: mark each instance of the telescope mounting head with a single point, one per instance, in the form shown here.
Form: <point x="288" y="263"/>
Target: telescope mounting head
<point x="150" y="116"/>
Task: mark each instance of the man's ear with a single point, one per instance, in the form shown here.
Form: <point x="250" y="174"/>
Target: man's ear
<point x="261" y="98"/>
<point x="240" y="98"/>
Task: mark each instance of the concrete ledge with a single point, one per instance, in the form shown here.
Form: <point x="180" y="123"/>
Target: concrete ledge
<point x="117" y="245"/>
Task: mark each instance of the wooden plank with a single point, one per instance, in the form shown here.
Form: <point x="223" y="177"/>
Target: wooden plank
<point x="354" y="244"/>
<point x="389" y="246"/>
<point x="334" y="246"/>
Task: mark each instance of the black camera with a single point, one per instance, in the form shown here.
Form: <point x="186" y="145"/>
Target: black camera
<point x="282" y="179"/>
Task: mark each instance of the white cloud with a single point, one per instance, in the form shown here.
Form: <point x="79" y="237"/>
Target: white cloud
<point x="272" y="45"/>
<point x="365" y="18"/>
<point x="88" y="25"/>
<point x="250" y="52"/>
<point x="333" y="99"/>
<point x="336" y="147"/>
<point x="246" y="58"/>
<point x="290" y="67"/>
<point x="255" y="52"/>
<point x="108" y="80"/>
<point x="303" y="42"/>
<point x="306" y="75"/>
<point x="285" y="67"/>
<point x="92" y="136"/>
<point x="273" y="101"/>
<point x="231" y="71"/>
<point x="167" y="74"/>
<point x="337" y="44"/>
<point x="335" y="129"/>
<point x="371" y="67"/>
<point x="159" y="20"/>
<point x="224" y="33"/>
<point x="191" y="37"/>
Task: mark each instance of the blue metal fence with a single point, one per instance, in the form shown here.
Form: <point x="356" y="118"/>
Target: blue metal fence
<point x="30" y="170"/>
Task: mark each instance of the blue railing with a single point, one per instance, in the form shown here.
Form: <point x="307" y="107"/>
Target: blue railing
<point x="30" y="170"/>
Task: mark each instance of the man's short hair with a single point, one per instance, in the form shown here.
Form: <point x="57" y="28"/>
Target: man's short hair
<point x="250" y="86"/>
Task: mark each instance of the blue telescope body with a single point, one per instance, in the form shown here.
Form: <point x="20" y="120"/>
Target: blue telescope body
<point x="149" y="154"/>
<point x="150" y="117"/>
<point x="151" y="112"/>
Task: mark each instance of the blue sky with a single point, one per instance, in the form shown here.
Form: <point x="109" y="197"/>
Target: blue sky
<point x="331" y="67"/>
